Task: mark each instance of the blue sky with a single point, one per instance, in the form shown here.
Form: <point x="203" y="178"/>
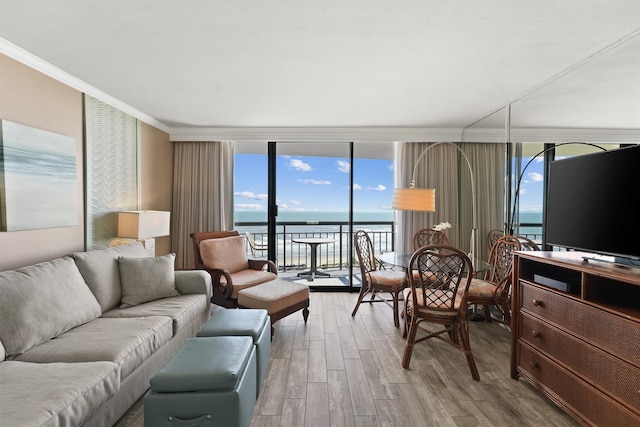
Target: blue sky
<point x="313" y="183"/>
<point x="531" y="186"/>
<point x="321" y="184"/>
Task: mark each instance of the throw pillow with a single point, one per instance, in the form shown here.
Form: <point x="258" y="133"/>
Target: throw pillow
<point x="146" y="279"/>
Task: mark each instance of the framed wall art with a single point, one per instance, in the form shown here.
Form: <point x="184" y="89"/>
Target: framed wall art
<point x="38" y="178"/>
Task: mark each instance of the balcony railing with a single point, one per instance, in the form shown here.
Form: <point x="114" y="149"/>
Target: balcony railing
<point x="297" y="256"/>
<point x="292" y="255"/>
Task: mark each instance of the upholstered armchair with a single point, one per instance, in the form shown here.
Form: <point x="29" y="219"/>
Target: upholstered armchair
<point x="223" y="255"/>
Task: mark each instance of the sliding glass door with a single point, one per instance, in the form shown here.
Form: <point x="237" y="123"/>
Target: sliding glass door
<point x="303" y="202"/>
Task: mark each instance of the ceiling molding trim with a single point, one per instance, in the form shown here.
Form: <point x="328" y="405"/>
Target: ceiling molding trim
<point x="556" y="135"/>
<point x="400" y="134"/>
<point x="27" y="58"/>
<point x="317" y="134"/>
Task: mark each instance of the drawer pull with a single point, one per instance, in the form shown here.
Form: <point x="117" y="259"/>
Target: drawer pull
<point x="533" y="365"/>
<point x="536" y="303"/>
<point x="535" y="333"/>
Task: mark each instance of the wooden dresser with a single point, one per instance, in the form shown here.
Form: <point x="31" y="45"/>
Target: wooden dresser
<point x="576" y="335"/>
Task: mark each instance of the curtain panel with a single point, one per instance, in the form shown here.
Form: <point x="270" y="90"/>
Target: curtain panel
<point x="202" y="194"/>
<point x="444" y="169"/>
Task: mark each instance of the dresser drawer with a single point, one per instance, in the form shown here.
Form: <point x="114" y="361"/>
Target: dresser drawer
<point x="610" y="373"/>
<point x="575" y="395"/>
<point x="620" y="336"/>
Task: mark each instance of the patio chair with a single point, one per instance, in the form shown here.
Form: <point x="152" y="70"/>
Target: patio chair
<point x="253" y="246"/>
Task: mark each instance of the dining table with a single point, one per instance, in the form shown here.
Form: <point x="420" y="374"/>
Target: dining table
<point x="401" y="259"/>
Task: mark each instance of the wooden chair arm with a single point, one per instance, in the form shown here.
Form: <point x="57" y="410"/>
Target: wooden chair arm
<point x="220" y="289"/>
<point x="263" y="264"/>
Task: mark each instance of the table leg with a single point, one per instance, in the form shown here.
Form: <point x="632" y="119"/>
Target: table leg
<point x="313" y="271"/>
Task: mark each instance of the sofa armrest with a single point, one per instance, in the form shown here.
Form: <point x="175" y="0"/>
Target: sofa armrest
<point x="193" y="282"/>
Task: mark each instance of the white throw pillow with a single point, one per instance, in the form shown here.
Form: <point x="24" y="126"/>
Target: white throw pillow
<point x="147" y="279"/>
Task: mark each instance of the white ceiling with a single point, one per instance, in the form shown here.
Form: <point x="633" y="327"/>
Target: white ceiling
<point x="195" y="66"/>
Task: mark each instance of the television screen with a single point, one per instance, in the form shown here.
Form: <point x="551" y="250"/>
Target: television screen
<point x="593" y="203"/>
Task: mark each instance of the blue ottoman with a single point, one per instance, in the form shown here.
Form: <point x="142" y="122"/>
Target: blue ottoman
<point x="254" y="323"/>
<point x="209" y="381"/>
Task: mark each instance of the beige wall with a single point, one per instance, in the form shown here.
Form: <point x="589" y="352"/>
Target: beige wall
<point x="156" y="176"/>
<point x="34" y="99"/>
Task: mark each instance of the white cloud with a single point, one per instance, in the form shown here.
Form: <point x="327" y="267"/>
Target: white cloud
<point x="298" y="164"/>
<point x="248" y="207"/>
<point x="250" y="195"/>
<point x="357" y="186"/>
<point x="314" y="182"/>
<point x="343" y="166"/>
<point x="295" y="202"/>
<point x="379" y="187"/>
<point x="535" y="177"/>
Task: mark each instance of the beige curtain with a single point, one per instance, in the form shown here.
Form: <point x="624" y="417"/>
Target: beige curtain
<point x="202" y="194"/>
<point x="444" y="169"/>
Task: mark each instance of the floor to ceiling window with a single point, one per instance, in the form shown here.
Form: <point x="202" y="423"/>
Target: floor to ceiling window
<point x="315" y="200"/>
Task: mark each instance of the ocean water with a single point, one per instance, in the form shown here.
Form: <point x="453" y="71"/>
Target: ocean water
<point x="531" y="218"/>
<point x="312" y="219"/>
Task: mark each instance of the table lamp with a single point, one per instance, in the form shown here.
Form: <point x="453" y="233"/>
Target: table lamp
<point x="144" y="226"/>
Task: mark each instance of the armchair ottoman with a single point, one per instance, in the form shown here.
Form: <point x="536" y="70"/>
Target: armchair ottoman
<point x="280" y="298"/>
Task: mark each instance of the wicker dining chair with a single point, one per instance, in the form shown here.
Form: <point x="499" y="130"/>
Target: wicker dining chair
<point x="429" y="236"/>
<point x="376" y="280"/>
<point x="437" y="295"/>
<point x="495" y="288"/>
<point x="527" y="244"/>
<point x="493" y="236"/>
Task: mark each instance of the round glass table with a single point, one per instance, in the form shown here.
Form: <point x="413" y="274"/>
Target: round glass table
<point x="401" y="259"/>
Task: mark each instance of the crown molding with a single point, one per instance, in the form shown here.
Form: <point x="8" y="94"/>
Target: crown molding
<point x="30" y="60"/>
<point x="316" y="134"/>
<point x="402" y="134"/>
<point x="554" y="135"/>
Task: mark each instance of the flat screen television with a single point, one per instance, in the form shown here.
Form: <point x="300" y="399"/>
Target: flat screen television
<point x="593" y="204"/>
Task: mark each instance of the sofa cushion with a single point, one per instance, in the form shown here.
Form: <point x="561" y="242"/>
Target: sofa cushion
<point x="54" y="394"/>
<point x="225" y="253"/>
<point x="146" y="279"/>
<point x="125" y="341"/>
<point x="42" y="301"/>
<point x="100" y="270"/>
<point x="182" y="309"/>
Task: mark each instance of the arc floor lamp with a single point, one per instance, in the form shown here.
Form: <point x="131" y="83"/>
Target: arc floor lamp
<point x="424" y="199"/>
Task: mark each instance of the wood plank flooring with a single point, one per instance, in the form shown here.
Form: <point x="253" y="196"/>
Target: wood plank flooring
<point x="339" y="370"/>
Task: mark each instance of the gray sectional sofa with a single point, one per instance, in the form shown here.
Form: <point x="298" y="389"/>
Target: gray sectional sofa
<point x="80" y="336"/>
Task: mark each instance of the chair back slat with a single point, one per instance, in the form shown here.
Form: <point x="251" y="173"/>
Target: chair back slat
<point x="429" y="236"/>
<point x="440" y="275"/>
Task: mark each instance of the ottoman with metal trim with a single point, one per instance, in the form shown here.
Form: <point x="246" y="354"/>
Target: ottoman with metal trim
<point x="280" y="298"/>
<point x="210" y="381"/>
<point x="254" y="323"/>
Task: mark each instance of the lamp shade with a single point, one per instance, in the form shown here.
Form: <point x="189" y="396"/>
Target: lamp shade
<point x="414" y="199"/>
<point x="143" y="224"/>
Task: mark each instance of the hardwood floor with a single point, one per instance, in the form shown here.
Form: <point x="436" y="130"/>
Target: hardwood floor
<point x="344" y="371"/>
<point x="339" y="370"/>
